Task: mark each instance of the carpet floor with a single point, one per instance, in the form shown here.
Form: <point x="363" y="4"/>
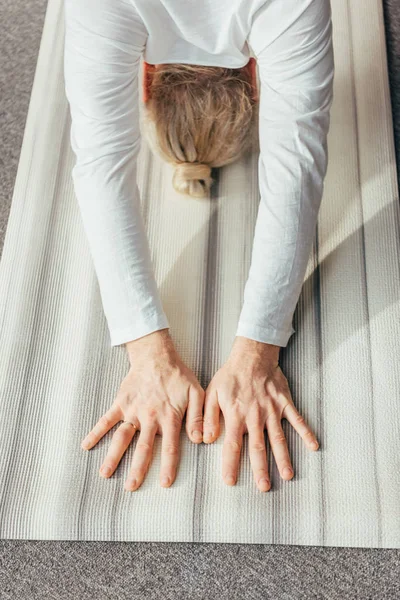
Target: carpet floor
<point x="45" y="569"/>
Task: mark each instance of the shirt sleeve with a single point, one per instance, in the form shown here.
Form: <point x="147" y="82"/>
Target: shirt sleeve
<point x="292" y="42"/>
<point x="104" y="40"/>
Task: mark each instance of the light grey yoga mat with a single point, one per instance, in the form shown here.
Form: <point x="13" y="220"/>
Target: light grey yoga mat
<point x="58" y="373"/>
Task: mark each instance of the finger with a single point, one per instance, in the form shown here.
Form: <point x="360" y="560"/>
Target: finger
<point x="169" y="450"/>
<point x="119" y="443"/>
<point x="142" y="455"/>
<point x="258" y="454"/>
<point x="299" y="423"/>
<point x="211" y="428"/>
<point x="194" y="415"/>
<point x="279" y="446"/>
<point x="103" y="425"/>
<point x="231" y="450"/>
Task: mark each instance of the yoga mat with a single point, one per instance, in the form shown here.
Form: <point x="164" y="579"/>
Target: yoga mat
<point x="58" y="373"/>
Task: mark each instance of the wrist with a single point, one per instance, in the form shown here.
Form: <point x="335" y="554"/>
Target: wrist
<point x="159" y="341"/>
<point x="253" y="350"/>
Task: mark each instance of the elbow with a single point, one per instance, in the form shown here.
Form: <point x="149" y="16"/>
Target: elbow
<point x="104" y="159"/>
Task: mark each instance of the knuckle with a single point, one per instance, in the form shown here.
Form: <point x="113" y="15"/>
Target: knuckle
<point x="170" y="448"/>
<point x="256" y="412"/>
<point x="258" y="447"/>
<point x="235" y="412"/>
<point x="151" y="413"/>
<point x="104" y="421"/>
<point x="143" y="447"/>
<point x="137" y="474"/>
<point x="262" y="472"/>
<point x="234" y="445"/>
<point x="197" y="419"/>
<point x="300" y="420"/>
<point x="174" y="417"/>
<point x="279" y="438"/>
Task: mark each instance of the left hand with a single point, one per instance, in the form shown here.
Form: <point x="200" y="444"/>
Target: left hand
<point x="253" y="393"/>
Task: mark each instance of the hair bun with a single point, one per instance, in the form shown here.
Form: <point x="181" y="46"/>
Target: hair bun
<point x="192" y="178"/>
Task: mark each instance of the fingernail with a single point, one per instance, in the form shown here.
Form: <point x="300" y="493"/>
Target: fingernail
<point x="130" y="483"/>
<point x="229" y="479"/>
<point x="165" y="480"/>
<point x="197" y="435"/>
<point x="85" y="444"/>
<point x="208" y="435"/>
<point x="264" y="481"/>
<point x="287" y="472"/>
<point x="106" y="471"/>
<point x="314" y="445"/>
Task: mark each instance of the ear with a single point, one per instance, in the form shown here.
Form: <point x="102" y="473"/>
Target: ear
<point x="148" y="70"/>
<point x="252" y="70"/>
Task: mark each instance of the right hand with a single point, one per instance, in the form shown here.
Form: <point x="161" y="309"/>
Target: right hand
<point x="153" y="397"/>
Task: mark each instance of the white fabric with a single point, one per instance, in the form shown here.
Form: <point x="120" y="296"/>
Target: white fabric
<point x="292" y="42"/>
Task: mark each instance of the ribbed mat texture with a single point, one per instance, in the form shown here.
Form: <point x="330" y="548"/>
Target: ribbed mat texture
<point x="58" y="373"/>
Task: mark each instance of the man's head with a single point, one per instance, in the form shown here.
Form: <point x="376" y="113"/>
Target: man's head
<point x="197" y="117"/>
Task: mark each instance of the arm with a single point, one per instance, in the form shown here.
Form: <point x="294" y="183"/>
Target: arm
<point x="104" y="40"/>
<point x="292" y="42"/>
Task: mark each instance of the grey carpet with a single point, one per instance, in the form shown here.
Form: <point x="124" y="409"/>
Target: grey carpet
<point x="146" y="570"/>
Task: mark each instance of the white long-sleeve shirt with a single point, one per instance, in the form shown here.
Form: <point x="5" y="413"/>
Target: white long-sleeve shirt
<point x="292" y="43"/>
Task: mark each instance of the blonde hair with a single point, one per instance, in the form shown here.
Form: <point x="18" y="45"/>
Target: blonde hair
<point x="199" y="117"/>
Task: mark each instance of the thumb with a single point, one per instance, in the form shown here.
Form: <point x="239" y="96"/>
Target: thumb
<point x="194" y="414"/>
<point x="211" y="416"/>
